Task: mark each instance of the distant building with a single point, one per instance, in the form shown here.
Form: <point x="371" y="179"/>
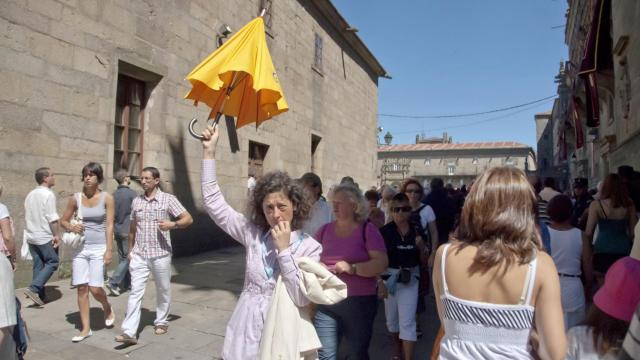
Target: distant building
<point x="457" y="164"/>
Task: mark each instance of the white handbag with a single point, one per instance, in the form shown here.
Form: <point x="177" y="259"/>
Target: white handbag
<point x="70" y="238"/>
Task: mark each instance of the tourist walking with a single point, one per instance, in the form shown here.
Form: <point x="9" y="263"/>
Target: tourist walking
<point x="354" y="249"/>
<point x="150" y="252"/>
<point x="602" y="334"/>
<point x="120" y="279"/>
<point x="491" y="281"/>
<point x="571" y="253"/>
<point x="90" y="258"/>
<point x="400" y="287"/>
<point x="320" y="210"/>
<point x="273" y="240"/>
<point x="8" y="317"/>
<point x="42" y="233"/>
<point x="582" y="200"/>
<point x="615" y="216"/>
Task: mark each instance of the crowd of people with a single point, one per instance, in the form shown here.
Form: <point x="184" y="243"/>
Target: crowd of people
<point x="514" y="272"/>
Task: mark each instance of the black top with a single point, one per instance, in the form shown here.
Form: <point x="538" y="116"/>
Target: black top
<point x="123" y="197"/>
<point x="401" y="250"/>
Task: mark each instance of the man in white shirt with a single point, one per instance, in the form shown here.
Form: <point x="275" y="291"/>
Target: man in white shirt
<point x="549" y="190"/>
<point x="42" y="231"/>
<point x="320" y="211"/>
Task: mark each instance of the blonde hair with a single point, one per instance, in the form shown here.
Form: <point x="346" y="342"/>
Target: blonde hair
<point x="499" y="217"/>
<point x="355" y="196"/>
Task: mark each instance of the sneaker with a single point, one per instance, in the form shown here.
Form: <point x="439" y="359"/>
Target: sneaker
<point x="33" y="296"/>
<point x="113" y="289"/>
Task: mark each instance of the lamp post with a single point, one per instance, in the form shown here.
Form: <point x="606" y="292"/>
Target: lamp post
<point x="387" y="138"/>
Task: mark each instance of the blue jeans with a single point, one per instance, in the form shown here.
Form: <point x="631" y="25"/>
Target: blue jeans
<point x="120" y="276"/>
<point x="45" y="263"/>
<point x="351" y="319"/>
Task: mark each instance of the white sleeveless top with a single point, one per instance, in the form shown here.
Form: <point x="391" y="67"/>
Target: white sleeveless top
<point x="480" y="330"/>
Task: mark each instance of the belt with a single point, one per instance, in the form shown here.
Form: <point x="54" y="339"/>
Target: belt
<point x="568" y="275"/>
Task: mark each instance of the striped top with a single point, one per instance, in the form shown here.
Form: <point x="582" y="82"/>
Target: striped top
<point x="479" y="330"/>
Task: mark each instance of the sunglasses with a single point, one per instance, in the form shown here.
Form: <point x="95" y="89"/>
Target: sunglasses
<point x="415" y="191"/>
<point x="401" y="209"/>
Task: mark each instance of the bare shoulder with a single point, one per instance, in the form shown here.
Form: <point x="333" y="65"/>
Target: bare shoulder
<point x="546" y="268"/>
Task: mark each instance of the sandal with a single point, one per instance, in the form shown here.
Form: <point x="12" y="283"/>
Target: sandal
<point x="124" y="338"/>
<point x="160" y="329"/>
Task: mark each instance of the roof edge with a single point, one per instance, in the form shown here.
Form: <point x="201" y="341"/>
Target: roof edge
<point x="336" y="19"/>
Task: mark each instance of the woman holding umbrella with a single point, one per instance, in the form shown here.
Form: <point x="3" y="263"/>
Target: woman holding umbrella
<point x="273" y="241"/>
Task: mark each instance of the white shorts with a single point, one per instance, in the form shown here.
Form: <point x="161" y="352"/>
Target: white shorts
<point x="88" y="266"/>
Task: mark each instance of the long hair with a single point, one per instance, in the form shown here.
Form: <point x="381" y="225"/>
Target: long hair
<point x="608" y="332"/>
<point x="499" y="218"/>
<point x="279" y="181"/>
<point x="614" y="189"/>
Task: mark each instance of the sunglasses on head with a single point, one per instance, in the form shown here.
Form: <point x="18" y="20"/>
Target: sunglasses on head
<point x="398" y="209"/>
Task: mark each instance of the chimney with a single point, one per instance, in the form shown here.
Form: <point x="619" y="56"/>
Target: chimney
<point x="444" y="137"/>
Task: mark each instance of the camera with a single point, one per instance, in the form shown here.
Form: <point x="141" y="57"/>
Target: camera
<point x="404" y="276"/>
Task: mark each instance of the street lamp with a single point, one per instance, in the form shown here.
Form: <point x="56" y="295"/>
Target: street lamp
<point x="387" y="138"/>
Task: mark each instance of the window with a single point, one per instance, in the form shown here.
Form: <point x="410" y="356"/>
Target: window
<point x="257" y="154"/>
<point x="509" y="161"/>
<point x="427" y="162"/>
<point x="315" y="141"/>
<point x="475" y="161"/>
<point x="451" y="170"/>
<point x="317" y="55"/>
<point x="267" y="5"/>
<point x="129" y="122"/>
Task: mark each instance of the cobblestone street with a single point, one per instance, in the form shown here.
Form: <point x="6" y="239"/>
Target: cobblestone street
<point x="205" y="288"/>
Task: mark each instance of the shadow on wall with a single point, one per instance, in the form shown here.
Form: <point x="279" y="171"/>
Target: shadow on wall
<point x="204" y="234"/>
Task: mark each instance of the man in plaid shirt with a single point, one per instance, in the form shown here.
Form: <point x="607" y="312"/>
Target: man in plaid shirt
<point x="150" y="251"/>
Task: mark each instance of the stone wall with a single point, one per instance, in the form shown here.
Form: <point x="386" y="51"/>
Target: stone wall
<point x="60" y="64"/>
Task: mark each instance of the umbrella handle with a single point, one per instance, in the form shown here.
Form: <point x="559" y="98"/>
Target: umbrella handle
<point x="195" y="120"/>
<point x="192" y="132"/>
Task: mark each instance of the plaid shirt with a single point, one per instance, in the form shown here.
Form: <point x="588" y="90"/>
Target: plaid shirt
<point x="150" y="241"/>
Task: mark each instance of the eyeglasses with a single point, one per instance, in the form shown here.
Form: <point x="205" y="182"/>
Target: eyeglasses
<point x="415" y="191"/>
<point x="401" y="209"/>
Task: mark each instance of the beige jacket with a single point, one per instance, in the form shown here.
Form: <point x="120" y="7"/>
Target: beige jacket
<point x="288" y="332"/>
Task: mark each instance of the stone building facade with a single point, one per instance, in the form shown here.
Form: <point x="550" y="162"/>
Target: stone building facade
<point x="456" y="164"/>
<point x="601" y="128"/>
<point x="103" y="80"/>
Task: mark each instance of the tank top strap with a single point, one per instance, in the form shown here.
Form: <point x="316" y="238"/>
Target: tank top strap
<point x="103" y="196"/>
<point x="530" y="279"/>
<point x="442" y="267"/>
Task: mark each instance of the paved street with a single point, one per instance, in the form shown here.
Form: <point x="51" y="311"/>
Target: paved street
<point x="205" y="289"/>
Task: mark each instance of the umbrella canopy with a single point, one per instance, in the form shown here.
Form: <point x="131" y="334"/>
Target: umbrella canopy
<point x="239" y="79"/>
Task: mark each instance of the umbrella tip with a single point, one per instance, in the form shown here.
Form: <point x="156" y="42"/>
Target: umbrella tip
<point x="262" y="12"/>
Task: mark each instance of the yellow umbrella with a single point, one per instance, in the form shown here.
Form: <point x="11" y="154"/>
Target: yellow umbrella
<point x="239" y="79"/>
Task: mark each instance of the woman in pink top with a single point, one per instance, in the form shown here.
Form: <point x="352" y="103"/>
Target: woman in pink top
<point x="355" y="250"/>
<point x="273" y="240"/>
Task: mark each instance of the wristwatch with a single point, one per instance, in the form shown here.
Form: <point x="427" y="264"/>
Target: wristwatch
<point x="175" y="226"/>
<point x="354" y="269"/>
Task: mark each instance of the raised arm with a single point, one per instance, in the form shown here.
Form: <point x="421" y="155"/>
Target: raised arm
<point x="229" y="220"/>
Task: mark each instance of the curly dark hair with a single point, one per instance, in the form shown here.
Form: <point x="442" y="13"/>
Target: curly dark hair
<point x="277" y="181"/>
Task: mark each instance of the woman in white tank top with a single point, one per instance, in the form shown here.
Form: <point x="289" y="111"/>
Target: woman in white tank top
<point x="492" y="282"/>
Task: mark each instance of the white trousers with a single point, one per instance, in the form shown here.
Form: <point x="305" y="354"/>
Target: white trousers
<point x="400" y="310"/>
<point x="140" y="269"/>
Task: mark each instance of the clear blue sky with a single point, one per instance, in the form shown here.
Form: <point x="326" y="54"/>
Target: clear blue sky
<point x="462" y="56"/>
